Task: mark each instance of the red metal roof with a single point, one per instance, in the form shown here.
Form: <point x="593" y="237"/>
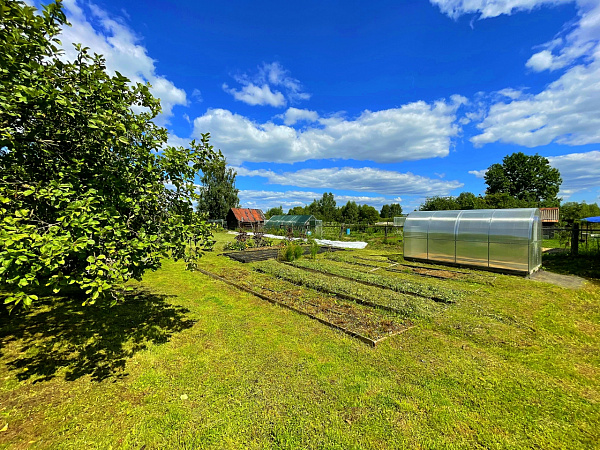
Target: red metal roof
<point x="248" y="215"/>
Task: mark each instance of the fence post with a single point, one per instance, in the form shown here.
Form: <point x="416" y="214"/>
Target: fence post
<point x="575" y="239"/>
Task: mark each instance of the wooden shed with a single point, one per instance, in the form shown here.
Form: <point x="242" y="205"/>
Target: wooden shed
<point x="245" y="218"/>
<point x="550" y="215"/>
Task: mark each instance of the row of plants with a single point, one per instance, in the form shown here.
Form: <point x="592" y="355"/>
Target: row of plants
<point x="293" y="250"/>
<point x="354" y="318"/>
<point x="406" y="305"/>
<point x="386" y="282"/>
<point x="413" y="268"/>
<point x="244" y="242"/>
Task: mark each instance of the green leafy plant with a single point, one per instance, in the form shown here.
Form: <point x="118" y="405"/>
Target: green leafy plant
<point x="408" y="306"/>
<point x="290" y="251"/>
<point x="90" y="195"/>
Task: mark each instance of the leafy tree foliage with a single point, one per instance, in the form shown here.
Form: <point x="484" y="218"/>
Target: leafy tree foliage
<point x="527" y="178"/>
<point x="390" y="211"/>
<point x="439" y="203"/>
<point x="83" y="189"/>
<point x="349" y="212"/>
<point x="367" y="214"/>
<point x="327" y="207"/>
<point x="274" y="212"/>
<point x="218" y="193"/>
<point x="468" y="200"/>
<point x="572" y="211"/>
<point x="297" y="211"/>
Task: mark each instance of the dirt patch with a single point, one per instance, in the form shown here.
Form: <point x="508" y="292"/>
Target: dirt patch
<point x="566" y="281"/>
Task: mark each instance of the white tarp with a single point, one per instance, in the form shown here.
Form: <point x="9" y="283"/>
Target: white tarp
<point x="338" y="244"/>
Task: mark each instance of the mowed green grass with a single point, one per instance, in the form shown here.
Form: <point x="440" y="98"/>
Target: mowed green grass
<point x="191" y="363"/>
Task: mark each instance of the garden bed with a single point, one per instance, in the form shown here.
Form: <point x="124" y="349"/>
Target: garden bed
<point x="266" y="253"/>
<point x="384" y="282"/>
<point x="362" y="322"/>
<point x="406" y="305"/>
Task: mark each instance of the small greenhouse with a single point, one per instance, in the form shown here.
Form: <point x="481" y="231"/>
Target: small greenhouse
<point x="301" y="223"/>
<point x="508" y="240"/>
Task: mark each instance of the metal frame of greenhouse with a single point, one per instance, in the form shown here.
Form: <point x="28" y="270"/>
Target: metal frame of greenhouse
<point x="504" y="240"/>
<point x="303" y="222"/>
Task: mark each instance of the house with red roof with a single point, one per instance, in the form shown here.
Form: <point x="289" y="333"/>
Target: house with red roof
<point x="245" y="218"/>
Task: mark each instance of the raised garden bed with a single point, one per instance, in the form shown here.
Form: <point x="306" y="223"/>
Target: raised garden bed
<point x="263" y="254"/>
<point x="408" y="306"/>
<point x="366" y="324"/>
<point x="385" y="282"/>
<point x="412" y="269"/>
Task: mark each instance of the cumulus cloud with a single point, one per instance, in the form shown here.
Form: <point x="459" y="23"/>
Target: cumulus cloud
<point x="487" y="8"/>
<point x="295" y="115"/>
<point x="256" y="95"/>
<point x="566" y="112"/>
<point x="478" y="173"/>
<point x="288" y="199"/>
<point x="271" y="85"/>
<point x="579" y="171"/>
<point x="574" y="41"/>
<point x="111" y="37"/>
<point x="577" y="41"/>
<point x="362" y="179"/>
<point x="413" y="131"/>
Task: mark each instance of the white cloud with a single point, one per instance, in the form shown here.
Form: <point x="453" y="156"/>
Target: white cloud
<point x="579" y="40"/>
<point x="513" y="94"/>
<point x="411" y="132"/>
<point x="256" y="95"/>
<point x="197" y="95"/>
<point x="566" y="112"/>
<point x="288" y="199"/>
<point x="478" y="173"/>
<point x="120" y="46"/>
<point x="579" y="171"/>
<point x="265" y="87"/>
<point x="574" y="41"/>
<point x="295" y="115"/>
<point x="361" y="179"/>
<point x="490" y="8"/>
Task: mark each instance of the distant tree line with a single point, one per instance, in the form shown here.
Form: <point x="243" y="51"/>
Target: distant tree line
<point x="326" y="209"/>
<point x="521" y="181"/>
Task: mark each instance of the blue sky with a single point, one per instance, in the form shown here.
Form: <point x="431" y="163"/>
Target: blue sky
<point x="377" y="102"/>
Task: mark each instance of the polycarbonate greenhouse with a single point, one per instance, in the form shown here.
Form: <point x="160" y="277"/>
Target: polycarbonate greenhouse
<point x="507" y="240"/>
<point x="304" y="222"/>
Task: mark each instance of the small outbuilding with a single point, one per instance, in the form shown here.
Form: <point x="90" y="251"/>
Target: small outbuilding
<point x="301" y="223"/>
<point x="506" y="240"/>
<point x="245" y="219"/>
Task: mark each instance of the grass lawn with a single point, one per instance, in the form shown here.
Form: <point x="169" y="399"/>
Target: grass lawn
<point x="189" y="362"/>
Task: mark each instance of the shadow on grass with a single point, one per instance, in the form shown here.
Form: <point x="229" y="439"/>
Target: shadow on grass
<point x="586" y="264"/>
<point x="60" y="334"/>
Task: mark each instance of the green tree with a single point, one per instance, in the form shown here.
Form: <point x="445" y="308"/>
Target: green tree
<point x="349" y="212"/>
<point x="327" y="207"/>
<point x="217" y="193"/>
<point x="274" y="212"/>
<point x="87" y="196"/>
<point x="367" y="214"/>
<point x="439" y="203"/>
<point x="468" y="200"/>
<point x="503" y="200"/>
<point x="395" y="210"/>
<point x="390" y="211"/>
<point x="526" y="178"/>
<point x="297" y="211"/>
<point x="571" y="211"/>
<point x="385" y="212"/>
